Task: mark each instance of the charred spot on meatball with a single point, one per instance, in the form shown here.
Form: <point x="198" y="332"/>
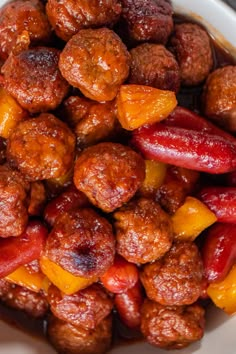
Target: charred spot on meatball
<point x="34" y="79"/>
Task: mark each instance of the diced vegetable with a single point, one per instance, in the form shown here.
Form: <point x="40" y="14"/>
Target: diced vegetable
<point x="65" y="281"/>
<point x="191" y="219"/>
<point x="138" y="105"/>
<point x="155" y="173"/>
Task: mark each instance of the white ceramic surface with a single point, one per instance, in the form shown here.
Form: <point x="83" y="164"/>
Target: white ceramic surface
<point x="220" y="337"/>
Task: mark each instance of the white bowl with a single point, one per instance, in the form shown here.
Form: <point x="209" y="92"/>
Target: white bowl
<point x="220" y="334"/>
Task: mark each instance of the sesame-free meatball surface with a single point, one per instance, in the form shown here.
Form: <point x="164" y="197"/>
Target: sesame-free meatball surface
<point x="34" y="80"/>
<point x="13" y="201"/>
<point x="154" y="65"/>
<point x="109" y="174"/>
<point x="18" y="16"/>
<point x="143" y="231"/>
<point x="148" y="20"/>
<point x="92" y="121"/>
<point x="219" y="97"/>
<point x="96" y="62"/>
<point x="82" y="243"/>
<point x="192" y="47"/>
<point x="67" y="17"/>
<point x="172" y="327"/>
<point x="85" y="308"/>
<point x="69" y="339"/>
<point x="175" y="279"/>
<point x="20" y="298"/>
<point x="41" y="147"/>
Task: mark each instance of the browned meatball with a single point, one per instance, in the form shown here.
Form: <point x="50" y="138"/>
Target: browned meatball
<point x="172" y="327"/>
<point x="86" y="308"/>
<point x="82" y="243"/>
<point x="67" y="17"/>
<point x="41" y="147"/>
<point x="20" y="298"/>
<point x="92" y="121"/>
<point x="96" y="62"/>
<point x="192" y="47"/>
<point x="109" y="174"/>
<point x="143" y="231"/>
<point x="153" y="65"/>
<point x="68" y="339"/>
<point x="148" y="20"/>
<point x="34" y="80"/>
<point x="13" y="202"/>
<point x="175" y="279"/>
<point x="219" y="97"/>
<point x="22" y="15"/>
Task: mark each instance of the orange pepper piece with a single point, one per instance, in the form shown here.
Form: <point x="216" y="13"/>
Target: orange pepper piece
<point x="63" y="280"/>
<point x="138" y="105"/>
<point x="155" y="173"/>
<point x="32" y="281"/>
<point x="10" y="114"/>
<point x="223" y="293"/>
<point x="191" y="219"/>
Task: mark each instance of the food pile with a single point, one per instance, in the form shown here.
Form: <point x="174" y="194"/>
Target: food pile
<point x="118" y="202"/>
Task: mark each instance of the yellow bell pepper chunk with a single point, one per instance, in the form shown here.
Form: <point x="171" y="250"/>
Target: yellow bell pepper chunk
<point x="191" y="219"/>
<point x="155" y="173"/>
<point x="138" y="105"/>
<point x="62" y="279"/>
<point x="32" y="281"/>
<point x="223" y="293"/>
<point x="10" y="114"/>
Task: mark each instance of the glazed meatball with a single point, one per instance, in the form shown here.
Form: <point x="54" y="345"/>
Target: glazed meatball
<point x="68" y="339"/>
<point x="82" y="243"/>
<point x="86" y="308"/>
<point x="13" y="201"/>
<point x="109" y="174"/>
<point x="148" y="20"/>
<point x="175" y="279"/>
<point x="67" y="17"/>
<point x="172" y="327"/>
<point x="92" y="122"/>
<point x="20" y="298"/>
<point x="18" y="16"/>
<point x="219" y="97"/>
<point x="192" y="47"/>
<point x="153" y="65"/>
<point x="96" y="62"/>
<point x="143" y="231"/>
<point x="41" y="147"/>
<point x="34" y="80"/>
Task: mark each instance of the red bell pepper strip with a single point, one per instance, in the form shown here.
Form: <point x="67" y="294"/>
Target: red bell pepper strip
<point x="191" y="149"/>
<point x="219" y="251"/>
<point x="221" y="201"/>
<point x="16" y="251"/>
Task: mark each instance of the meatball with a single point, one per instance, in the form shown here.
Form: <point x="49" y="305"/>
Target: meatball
<point x="13" y="202"/>
<point x="92" y="121"/>
<point x="41" y="147"/>
<point x="143" y="231"/>
<point x="34" y="80"/>
<point x="82" y="243"/>
<point x="148" y="20"/>
<point x="23" y="15"/>
<point x="20" y="298"/>
<point x="86" y="308"/>
<point x="153" y="65"/>
<point x="175" y="279"/>
<point x="192" y="47"/>
<point x="96" y="62"/>
<point x="67" y="17"/>
<point x="172" y="327"/>
<point x="109" y="174"/>
<point x="219" y="97"/>
<point x="68" y="339"/>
